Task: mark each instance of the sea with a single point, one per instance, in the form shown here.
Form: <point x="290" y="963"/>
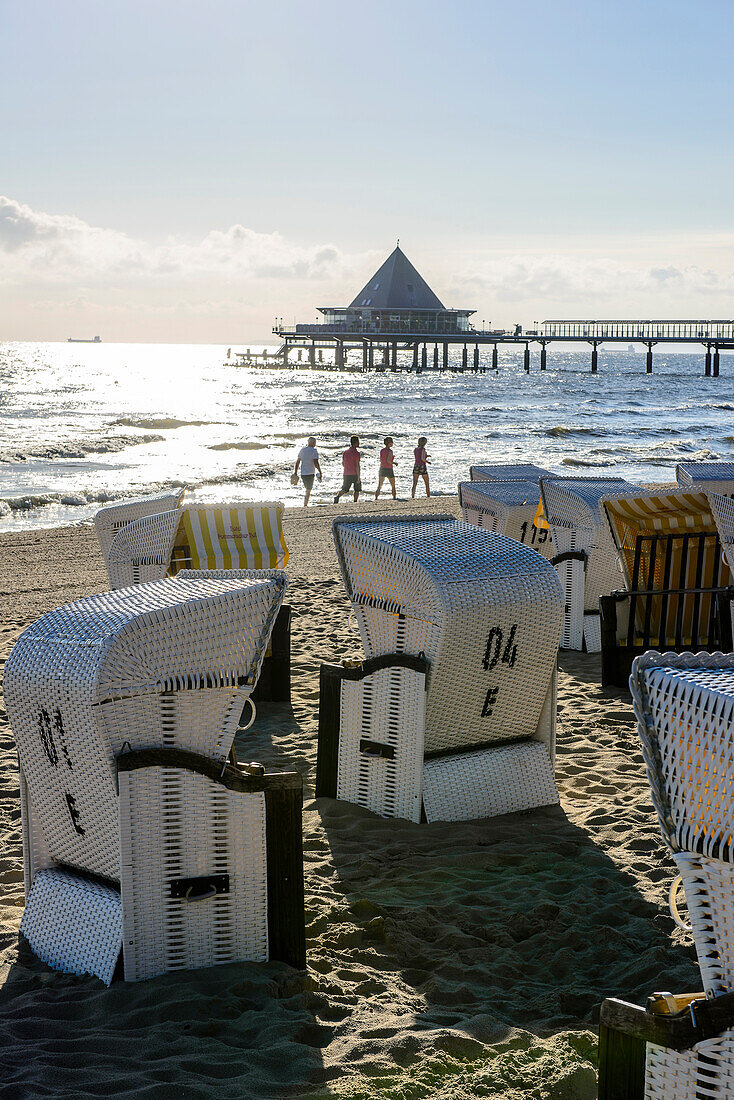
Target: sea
<point x="84" y="424"/>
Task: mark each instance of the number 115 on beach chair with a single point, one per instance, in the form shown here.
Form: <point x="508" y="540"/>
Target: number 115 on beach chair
<point x="452" y="714"/>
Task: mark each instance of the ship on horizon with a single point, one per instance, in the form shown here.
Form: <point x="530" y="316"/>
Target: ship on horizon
<point x="83" y="340"/>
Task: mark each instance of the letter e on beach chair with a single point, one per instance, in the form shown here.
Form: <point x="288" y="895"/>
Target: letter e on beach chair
<point x="682" y="1047"/>
<point x="452" y="714"/>
<point x="137" y="832"/>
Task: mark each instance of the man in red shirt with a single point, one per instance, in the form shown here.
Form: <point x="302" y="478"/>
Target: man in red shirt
<point x="351" y="462"/>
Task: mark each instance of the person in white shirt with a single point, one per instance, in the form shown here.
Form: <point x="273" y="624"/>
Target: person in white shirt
<point x="308" y="460"/>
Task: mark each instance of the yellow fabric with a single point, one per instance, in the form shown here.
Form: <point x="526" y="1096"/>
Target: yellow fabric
<point x="540" y="521"/>
<point x="676" y="513"/>
<point x="229" y="538"/>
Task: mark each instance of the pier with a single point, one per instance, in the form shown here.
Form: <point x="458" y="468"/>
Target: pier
<point x="397" y="323"/>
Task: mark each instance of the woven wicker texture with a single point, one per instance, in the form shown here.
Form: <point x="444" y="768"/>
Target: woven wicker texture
<point x="571" y="507"/>
<point x="638" y="525"/>
<point x="485" y="611"/>
<point x="166" y="664"/>
<point x="73" y="924"/>
<point x="239" y="536"/>
<point x="508" y="508"/>
<point x="507" y="471"/>
<point x="217" y="832"/>
<point x="109" y="520"/>
<point x="705" y="1071"/>
<point x="712" y="476"/>
<point x="495" y="781"/>
<point x="722" y="510"/>
<point x="684" y="705"/>
<point x="387" y="708"/>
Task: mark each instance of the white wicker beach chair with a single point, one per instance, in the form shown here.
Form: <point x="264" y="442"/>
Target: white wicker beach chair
<point x="585" y="554"/>
<point x="236" y="536"/>
<point x="452" y="715"/>
<point x="508" y="471"/>
<point x="508" y="508"/>
<point x="111" y="518"/>
<point x="709" y="477"/>
<point x="137" y="833"/>
<point x="685" y="711"/>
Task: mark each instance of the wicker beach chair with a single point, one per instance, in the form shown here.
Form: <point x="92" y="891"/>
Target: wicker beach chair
<point x="198" y="536"/>
<point x="137" y="832"/>
<point x="585" y="556"/>
<point x="508" y="471"/>
<point x="112" y="517"/>
<point x="678" y="581"/>
<point x="507" y="508"/>
<point x="452" y="715"/>
<point x="680" y="1048"/>
<point x="710" y="477"/>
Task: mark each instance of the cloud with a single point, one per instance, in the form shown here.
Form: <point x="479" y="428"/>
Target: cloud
<point x="61" y="247"/>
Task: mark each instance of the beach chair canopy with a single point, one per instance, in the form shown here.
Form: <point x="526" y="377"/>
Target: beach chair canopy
<point x="483" y="609"/>
<point x="710" y="476"/>
<point x="507" y="471"/>
<point x="237" y="536"/>
<point x="508" y="508"/>
<point x="110" y="519"/>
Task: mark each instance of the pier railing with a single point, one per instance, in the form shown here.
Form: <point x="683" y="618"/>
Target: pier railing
<point x="638" y="330"/>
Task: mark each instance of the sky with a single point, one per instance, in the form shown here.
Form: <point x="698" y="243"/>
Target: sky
<point x="190" y="171"/>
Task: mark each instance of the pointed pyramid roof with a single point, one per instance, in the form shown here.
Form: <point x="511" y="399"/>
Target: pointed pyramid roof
<point x="396" y="285"/>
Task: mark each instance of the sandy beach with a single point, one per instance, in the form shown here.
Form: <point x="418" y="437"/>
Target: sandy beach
<point x="447" y="960"/>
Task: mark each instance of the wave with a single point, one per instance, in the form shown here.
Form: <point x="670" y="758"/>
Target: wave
<point x="159" y="423"/>
<point x="587" y="462"/>
<point x="80" y="449"/>
<point x="560" y="431"/>
<point x="255" y="445"/>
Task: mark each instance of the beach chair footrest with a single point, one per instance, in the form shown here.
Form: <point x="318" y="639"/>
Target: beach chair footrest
<point x="74" y="923"/>
<point x="490" y="782"/>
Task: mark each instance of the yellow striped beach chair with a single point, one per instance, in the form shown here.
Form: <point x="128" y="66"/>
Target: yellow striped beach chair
<point x="198" y="536"/>
<point x="677" y="577"/>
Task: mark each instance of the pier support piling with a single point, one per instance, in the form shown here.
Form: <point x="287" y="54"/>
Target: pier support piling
<point x="424" y="357"/>
<point x="371" y="356"/>
<point x="435" y="356"/>
<point x="464" y="358"/>
<point x="707" y="362"/>
<point x="415" y="357"/>
<point x="476" y="358"/>
<point x="594" y="358"/>
<point x="339" y="355"/>
<point x="365" y="356"/>
<point x="312" y="355"/>
<point x="526" y="359"/>
<point x="495" y="357"/>
<point x="648" y="361"/>
<point x="716" y="361"/>
<point x="543" y="354"/>
<point x="445" y="356"/>
<point x="286" y="349"/>
<point x="394" y="355"/>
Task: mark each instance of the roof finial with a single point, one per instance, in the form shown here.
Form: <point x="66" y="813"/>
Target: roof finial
<point x="398" y="243"/>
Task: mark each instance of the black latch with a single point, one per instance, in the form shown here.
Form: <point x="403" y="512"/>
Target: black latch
<point x="198" y="889"/>
<point x="374" y="748"/>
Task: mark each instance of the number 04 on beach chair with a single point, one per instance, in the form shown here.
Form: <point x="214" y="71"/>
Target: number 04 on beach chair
<point x="137" y="832"/>
<point x="682" y="1048"/>
<point x="452" y="714"/>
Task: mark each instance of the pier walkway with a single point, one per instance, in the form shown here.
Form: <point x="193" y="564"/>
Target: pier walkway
<point x="360" y="348"/>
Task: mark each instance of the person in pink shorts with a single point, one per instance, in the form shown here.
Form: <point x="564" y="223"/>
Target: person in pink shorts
<point x="420" y="468"/>
<point x="351" y="460"/>
<point x="387" y="461"/>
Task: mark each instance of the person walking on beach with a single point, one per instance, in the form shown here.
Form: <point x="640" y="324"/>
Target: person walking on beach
<point x="387" y="461"/>
<point x="420" y="468"/>
<point x="351" y="460"/>
<point x="308" y="460"/>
